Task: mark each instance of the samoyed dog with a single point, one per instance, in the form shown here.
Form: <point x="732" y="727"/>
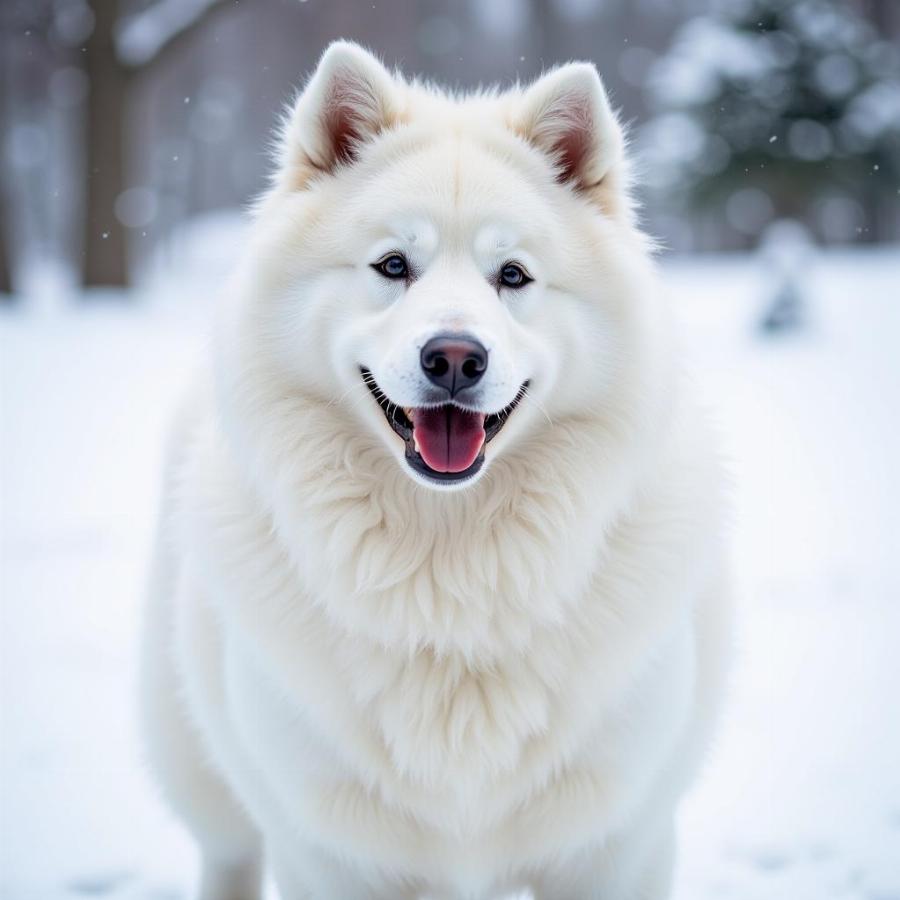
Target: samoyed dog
<point x="440" y="606"/>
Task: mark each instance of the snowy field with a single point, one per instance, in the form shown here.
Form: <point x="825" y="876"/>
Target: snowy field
<point x="801" y="799"/>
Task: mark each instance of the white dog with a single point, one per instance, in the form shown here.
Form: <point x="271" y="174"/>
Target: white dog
<point x="440" y="607"/>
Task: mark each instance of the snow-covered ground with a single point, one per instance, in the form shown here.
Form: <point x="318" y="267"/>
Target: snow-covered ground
<point x="801" y="798"/>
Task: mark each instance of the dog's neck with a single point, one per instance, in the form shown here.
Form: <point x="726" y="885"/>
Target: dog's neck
<point x="471" y="572"/>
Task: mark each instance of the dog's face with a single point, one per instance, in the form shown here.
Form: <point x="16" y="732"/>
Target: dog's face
<point x="448" y="274"/>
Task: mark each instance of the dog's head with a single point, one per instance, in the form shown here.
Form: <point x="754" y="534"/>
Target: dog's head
<point x="450" y="275"/>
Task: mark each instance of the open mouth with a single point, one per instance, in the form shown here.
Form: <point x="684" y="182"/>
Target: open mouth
<point x="444" y="443"/>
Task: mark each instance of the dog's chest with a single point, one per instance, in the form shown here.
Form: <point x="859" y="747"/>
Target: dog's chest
<point x="445" y="722"/>
<point x="405" y="713"/>
<point x="426" y="754"/>
<point x="424" y="726"/>
<point x="344" y="731"/>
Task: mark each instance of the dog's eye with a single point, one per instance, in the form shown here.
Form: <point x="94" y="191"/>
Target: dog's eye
<point x="392" y="266"/>
<point x="512" y="275"/>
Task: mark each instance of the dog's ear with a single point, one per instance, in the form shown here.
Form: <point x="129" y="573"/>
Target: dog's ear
<point x="349" y="99"/>
<point x="566" y="114"/>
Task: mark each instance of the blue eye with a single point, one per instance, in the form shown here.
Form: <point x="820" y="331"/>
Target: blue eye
<point x="393" y="266"/>
<point x="512" y="275"/>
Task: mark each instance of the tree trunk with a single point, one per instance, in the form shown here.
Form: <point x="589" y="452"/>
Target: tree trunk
<point x="104" y="239"/>
<point x="5" y="273"/>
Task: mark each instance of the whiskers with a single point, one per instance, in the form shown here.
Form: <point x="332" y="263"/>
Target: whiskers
<point x="526" y="394"/>
<point x="362" y="385"/>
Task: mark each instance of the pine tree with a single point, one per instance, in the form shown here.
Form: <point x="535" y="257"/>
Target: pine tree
<point x="792" y="99"/>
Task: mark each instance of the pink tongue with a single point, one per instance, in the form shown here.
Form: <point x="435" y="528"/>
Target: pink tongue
<point x="448" y="438"/>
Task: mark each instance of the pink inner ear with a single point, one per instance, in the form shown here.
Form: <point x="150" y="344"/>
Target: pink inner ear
<point x="572" y="146"/>
<point x="342" y="125"/>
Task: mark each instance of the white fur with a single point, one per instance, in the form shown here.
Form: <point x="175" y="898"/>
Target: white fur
<point x="401" y="690"/>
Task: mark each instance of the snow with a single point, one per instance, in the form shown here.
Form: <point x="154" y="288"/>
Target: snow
<point x="801" y="796"/>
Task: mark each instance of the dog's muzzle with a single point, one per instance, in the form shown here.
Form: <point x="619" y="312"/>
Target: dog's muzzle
<point x="445" y="442"/>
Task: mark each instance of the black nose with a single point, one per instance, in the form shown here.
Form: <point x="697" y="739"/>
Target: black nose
<point x="454" y="361"/>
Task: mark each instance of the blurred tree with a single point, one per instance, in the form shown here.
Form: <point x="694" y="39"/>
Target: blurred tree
<point x="5" y="273"/>
<point x="769" y="107"/>
<point x="104" y="236"/>
<point x="115" y="51"/>
<point x="5" y="253"/>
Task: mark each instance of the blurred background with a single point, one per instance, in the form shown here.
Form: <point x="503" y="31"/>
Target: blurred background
<point x="767" y="138"/>
<point x="125" y="119"/>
